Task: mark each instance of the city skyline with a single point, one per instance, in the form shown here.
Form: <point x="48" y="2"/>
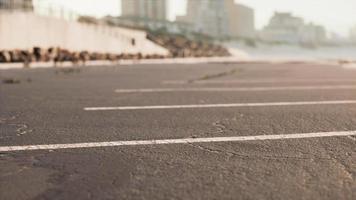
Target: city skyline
<point x="317" y="11"/>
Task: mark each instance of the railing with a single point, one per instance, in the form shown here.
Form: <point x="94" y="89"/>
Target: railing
<point x="39" y="7"/>
<point x="25" y="5"/>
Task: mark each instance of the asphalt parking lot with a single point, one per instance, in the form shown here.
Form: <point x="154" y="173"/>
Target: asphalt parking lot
<point x="192" y="131"/>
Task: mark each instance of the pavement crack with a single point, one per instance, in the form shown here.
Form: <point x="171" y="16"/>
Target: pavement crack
<point x="341" y="165"/>
<point x="343" y="168"/>
<point x="253" y="156"/>
<point x="210" y="150"/>
<point x="16" y="172"/>
<point x="216" y="75"/>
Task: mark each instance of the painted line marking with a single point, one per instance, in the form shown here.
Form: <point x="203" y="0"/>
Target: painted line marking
<point x="181" y="82"/>
<point x="176" y="141"/>
<point x="302" y="103"/>
<point x="236" y="89"/>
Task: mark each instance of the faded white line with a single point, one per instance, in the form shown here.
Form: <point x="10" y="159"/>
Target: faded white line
<point x="181" y="82"/>
<point x="302" y="103"/>
<point x="176" y="141"/>
<point x="237" y="89"/>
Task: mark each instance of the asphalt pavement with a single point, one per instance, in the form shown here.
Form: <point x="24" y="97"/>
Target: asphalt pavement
<point x="179" y="131"/>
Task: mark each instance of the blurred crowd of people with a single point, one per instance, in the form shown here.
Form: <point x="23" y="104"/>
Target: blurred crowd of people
<point x="58" y="55"/>
<point x="178" y="47"/>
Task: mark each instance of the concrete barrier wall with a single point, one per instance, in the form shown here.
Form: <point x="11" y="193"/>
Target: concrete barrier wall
<point x="21" y="30"/>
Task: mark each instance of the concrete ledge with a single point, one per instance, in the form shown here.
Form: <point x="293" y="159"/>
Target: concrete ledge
<point x="5" y="66"/>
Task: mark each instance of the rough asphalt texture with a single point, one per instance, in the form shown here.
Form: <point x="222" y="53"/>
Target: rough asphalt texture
<point x="45" y="106"/>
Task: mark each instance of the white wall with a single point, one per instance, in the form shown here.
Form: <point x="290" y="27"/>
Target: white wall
<point x="19" y="30"/>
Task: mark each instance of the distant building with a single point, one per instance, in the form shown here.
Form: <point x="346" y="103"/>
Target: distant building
<point x="220" y="19"/>
<point x="353" y="35"/>
<point x="207" y="17"/>
<point x="147" y="14"/>
<point x="150" y="14"/>
<point x="286" y="28"/>
<point x="336" y="39"/>
<point x="16" y="5"/>
<point x="312" y="35"/>
<point x="241" y="21"/>
<point x="154" y="25"/>
<point x="283" y="27"/>
<point x="145" y="9"/>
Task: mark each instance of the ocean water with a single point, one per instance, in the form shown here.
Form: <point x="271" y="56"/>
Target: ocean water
<point x="297" y="53"/>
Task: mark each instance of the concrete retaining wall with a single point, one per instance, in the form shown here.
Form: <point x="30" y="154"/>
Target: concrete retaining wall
<point x="21" y="30"/>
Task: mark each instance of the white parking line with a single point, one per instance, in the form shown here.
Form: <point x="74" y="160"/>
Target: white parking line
<point x="176" y="141"/>
<point x="237" y="89"/>
<point x="181" y="82"/>
<point x="302" y="103"/>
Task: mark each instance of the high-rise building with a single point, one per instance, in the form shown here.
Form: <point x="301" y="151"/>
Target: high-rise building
<point x="241" y="21"/>
<point x="145" y="9"/>
<point x="287" y="28"/>
<point x="16" y="4"/>
<point x="207" y="16"/>
<point x="220" y="19"/>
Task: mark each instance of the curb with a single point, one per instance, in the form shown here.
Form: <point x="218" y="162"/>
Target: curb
<point x="36" y="65"/>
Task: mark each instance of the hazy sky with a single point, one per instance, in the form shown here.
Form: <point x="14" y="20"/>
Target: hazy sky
<point x="336" y="15"/>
